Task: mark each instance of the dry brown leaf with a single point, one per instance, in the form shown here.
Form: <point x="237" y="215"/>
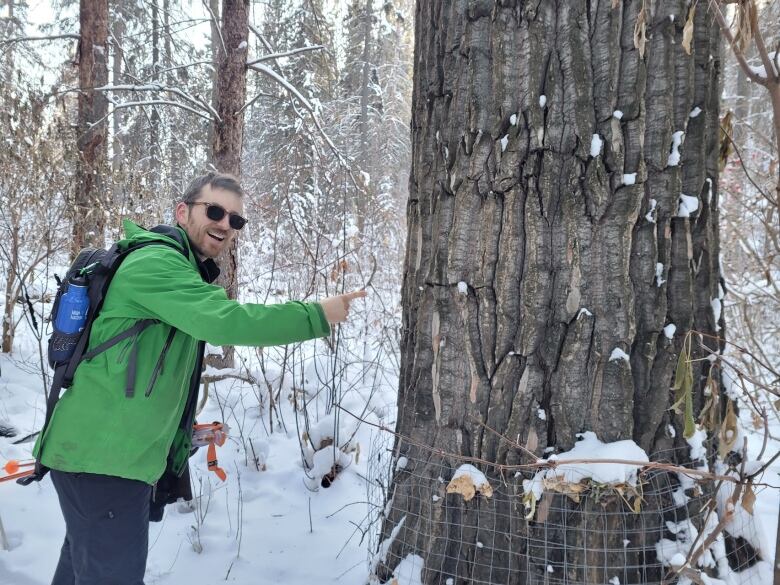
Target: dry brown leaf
<point x="728" y="431"/>
<point x="637" y="505"/>
<point x="560" y="485"/>
<point x="640" y="31"/>
<point x="464" y="485"/>
<point x="615" y="4"/>
<point x="688" y="30"/>
<point x="357" y="453"/>
<point x="745" y="18"/>
<point x="758" y="422"/>
<point x="544" y="507"/>
<point x="726" y="126"/>
<point x="749" y="499"/>
<point x="533" y="440"/>
<point x="710" y="414"/>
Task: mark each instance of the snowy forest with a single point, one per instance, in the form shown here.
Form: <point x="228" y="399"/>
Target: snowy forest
<point x="566" y="217"/>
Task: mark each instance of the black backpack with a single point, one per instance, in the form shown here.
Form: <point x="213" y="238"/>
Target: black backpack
<point x="98" y="266"/>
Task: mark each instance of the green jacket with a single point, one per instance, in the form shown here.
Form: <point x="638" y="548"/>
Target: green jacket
<point x="95" y="428"/>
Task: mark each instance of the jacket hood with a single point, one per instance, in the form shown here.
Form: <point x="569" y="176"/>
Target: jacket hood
<point x="135" y="234"/>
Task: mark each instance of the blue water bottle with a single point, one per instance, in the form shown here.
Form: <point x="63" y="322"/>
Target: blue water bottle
<point x="70" y="320"/>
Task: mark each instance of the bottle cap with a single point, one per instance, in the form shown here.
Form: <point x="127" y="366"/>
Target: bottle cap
<point x="78" y="280"/>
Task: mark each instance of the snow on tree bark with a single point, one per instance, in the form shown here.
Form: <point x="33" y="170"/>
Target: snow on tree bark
<point x="559" y="256"/>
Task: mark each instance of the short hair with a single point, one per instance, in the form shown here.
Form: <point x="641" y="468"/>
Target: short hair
<point x="215" y="181"/>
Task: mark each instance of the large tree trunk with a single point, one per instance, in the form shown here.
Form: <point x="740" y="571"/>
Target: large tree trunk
<point x="90" y="197"/>
<point x="531" y="259"/>
<point x="228" y="134"/>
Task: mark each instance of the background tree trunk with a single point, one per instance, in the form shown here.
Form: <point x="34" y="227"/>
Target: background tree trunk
<point x="228" y="134"/>
<point x="216" y="51"/>
<point x="12" y="286"/>
<point x="118" y="27"/>
<point x="154" y="152"/>
<point x="535" y="251"/>
<point x="90" y="197"/>
<point x="365" y="96"/>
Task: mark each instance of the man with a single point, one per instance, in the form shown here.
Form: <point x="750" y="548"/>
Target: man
<point x="111" y="434"/>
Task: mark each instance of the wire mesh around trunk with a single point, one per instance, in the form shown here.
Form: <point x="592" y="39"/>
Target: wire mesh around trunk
<point x="592" y="534"/>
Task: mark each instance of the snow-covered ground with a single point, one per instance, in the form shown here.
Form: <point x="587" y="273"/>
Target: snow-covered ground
<point x="273" y="525"/>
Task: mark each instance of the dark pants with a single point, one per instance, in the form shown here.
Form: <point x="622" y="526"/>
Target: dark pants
<point x="106" y="529"/>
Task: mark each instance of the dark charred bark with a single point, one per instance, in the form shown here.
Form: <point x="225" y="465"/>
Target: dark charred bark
<point x="565" y="256"/>
<point x="90" y="198"/>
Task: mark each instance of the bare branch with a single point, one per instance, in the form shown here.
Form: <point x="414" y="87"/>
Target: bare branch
<point x="253" y="100"/>
<point x="215" y="20"/>
<point x="769" y="66"/>
<point x="152" y="103"/>
<point x="744" y="167"/>
<point x="260" y="36"/>
<point x="46" y="38"/>
<point x="274" y="56"/>
<point x="162" y="88"/>
<point x="187" y="66"/>
<point x="724" y="27"/>
<point x="304" y="102"/>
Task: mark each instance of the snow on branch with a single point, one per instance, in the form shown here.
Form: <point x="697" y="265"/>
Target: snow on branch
<point x="304" y="102"/>
<point x="195" y="103"/>
<point x="123" y="105"/>
<point x="295" y="93"/>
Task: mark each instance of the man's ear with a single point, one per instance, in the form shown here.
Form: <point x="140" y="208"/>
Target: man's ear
<point x="182" y="211"/>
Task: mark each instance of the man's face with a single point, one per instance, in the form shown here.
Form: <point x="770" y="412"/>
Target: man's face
<point x="209" y="237"/>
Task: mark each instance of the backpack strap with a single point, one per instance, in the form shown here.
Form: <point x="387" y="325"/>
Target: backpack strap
<point x="158" y="367"/>
<point x="134" y="330"/>
<point x="41" y="470"/>
<point x="140" y="326"/>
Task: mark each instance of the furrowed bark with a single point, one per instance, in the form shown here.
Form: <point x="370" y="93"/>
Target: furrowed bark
<point x="559" y="251"/>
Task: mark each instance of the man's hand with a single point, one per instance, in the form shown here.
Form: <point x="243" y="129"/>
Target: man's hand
<point x="336" y="308"/>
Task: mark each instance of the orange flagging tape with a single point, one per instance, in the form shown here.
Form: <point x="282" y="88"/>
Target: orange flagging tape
<point x="17" y="475"/>
<point x="12" y="469"/>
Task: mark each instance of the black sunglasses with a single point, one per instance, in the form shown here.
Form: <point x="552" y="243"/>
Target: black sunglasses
<point x="216" y="212"/>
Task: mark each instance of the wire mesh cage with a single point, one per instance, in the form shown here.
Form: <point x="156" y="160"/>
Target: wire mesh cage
<point x="661" y="528"/>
